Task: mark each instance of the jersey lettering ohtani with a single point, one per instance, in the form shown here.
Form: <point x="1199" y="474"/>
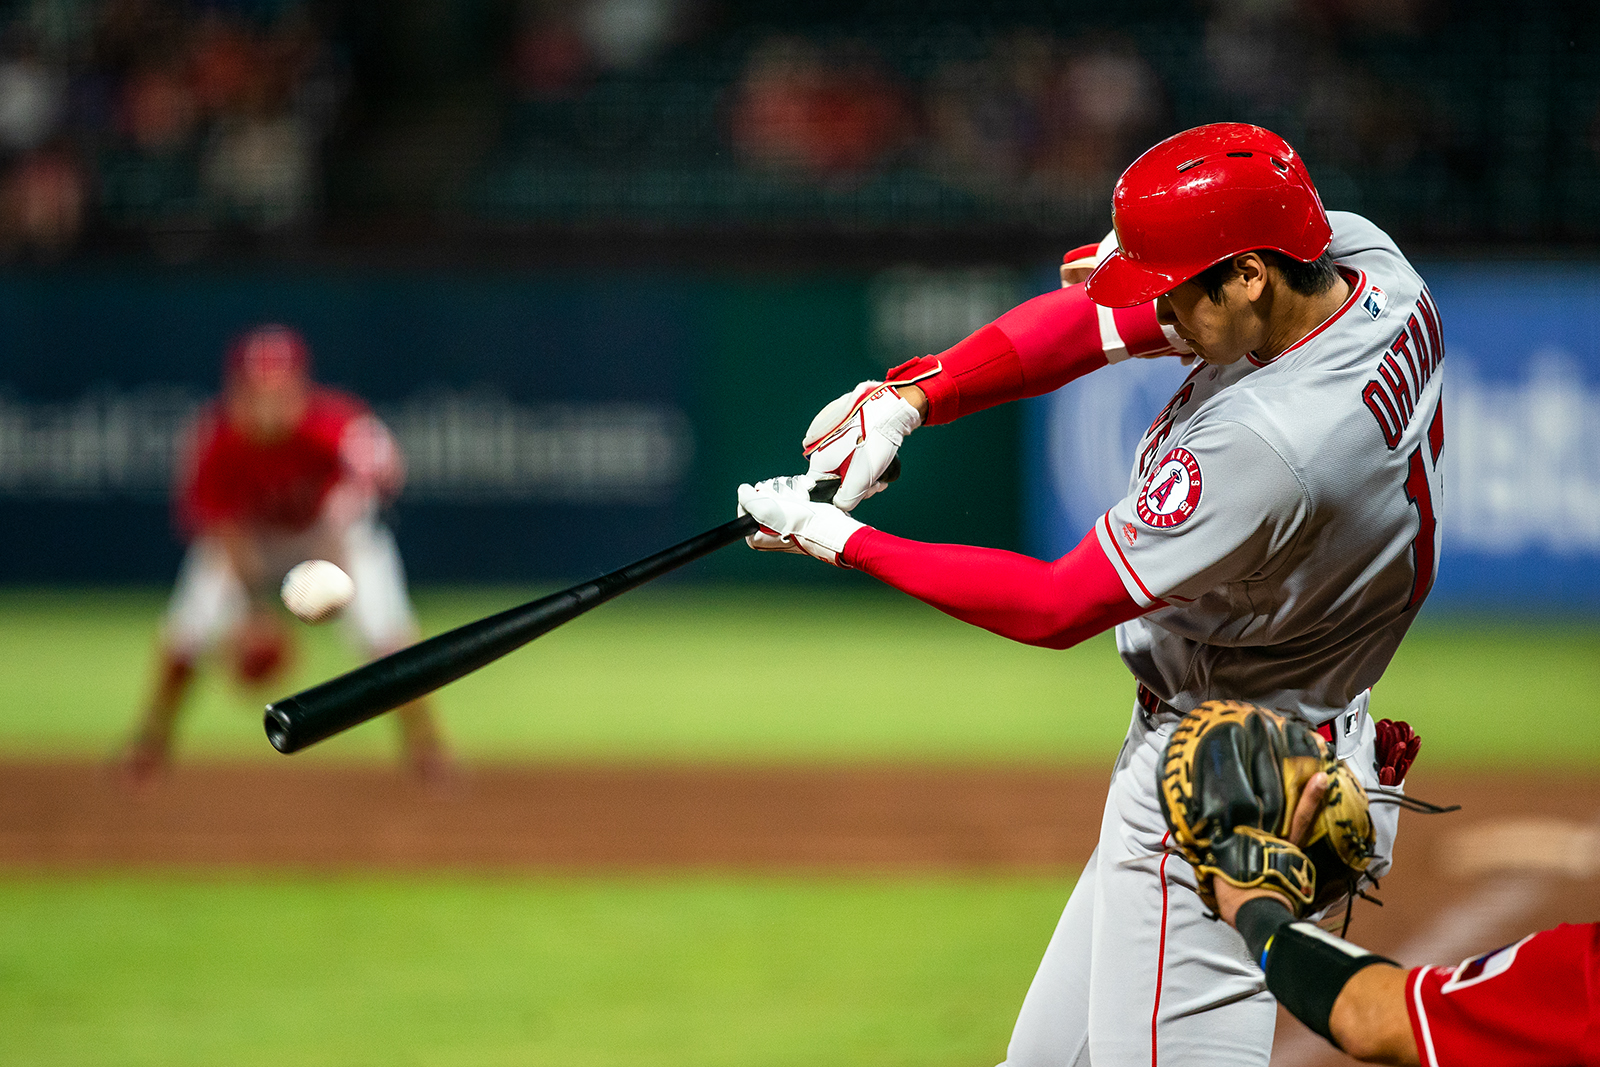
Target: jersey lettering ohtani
<point x="1283" y="516"/>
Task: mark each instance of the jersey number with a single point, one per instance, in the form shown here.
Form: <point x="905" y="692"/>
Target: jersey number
<point x="1420" y="493"/>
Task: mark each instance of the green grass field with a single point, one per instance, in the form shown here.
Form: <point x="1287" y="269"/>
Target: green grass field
<point x="716" y="972"/>
<point x="242" y="969"/>
<point x="690" y="673"/>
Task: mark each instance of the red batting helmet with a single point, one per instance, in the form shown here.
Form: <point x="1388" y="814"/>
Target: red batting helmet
<point x="1200" y="197"/>
<point x="267" y="354"/>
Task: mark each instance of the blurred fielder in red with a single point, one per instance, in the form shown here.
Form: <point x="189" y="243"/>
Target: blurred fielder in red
<point x="279" y="470"/>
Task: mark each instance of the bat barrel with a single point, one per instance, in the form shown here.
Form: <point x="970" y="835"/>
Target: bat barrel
<point x="315" y="714"/>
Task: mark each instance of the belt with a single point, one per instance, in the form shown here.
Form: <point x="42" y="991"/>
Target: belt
<point x="1154" y="708"/>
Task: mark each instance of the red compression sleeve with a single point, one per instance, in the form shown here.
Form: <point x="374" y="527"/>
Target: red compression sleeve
<point x="1035" y="348"/>
<point x="1032" y="349"/>
<point x="1038" y="602"/>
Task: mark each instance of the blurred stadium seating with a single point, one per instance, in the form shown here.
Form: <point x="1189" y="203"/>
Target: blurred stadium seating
<point x="204" y="129"/>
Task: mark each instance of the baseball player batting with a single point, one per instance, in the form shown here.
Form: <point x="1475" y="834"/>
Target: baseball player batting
<point x="277" y="471"/>
<point x="1278" y="537"/>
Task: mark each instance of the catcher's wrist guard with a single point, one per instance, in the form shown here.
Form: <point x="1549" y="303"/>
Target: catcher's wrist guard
<point x="1307" y="968"/>
<point x="1257" y="921"/>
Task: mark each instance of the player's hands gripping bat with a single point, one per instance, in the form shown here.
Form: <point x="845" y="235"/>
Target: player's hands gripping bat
<point x="385" y="684"/>
<point x="1230" y="781"/>
<point x="792" y="521"/>
<point x="856" y="437"/>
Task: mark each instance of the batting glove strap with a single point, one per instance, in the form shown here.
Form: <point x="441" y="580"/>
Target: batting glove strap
<point x="792" y="522"/>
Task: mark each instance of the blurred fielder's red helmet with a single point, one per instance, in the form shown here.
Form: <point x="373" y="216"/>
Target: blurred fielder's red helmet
<point x="268" y="355"/>
<point x="1200" y="197"/>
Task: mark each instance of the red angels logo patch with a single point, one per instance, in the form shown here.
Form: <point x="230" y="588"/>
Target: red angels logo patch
<point x="1172" y="491"/>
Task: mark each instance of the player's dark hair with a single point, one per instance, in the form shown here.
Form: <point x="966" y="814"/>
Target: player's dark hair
<point x="1307" y="279"/>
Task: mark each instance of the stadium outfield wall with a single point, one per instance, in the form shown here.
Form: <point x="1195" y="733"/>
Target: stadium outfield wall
<point x="560" y="425"/>
<point x="555" y="425"/>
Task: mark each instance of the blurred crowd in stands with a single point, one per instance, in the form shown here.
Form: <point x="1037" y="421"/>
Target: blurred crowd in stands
<point x="1029" y="116"/>
<point x="176" y="120"/>
<point x="184" y="121"/>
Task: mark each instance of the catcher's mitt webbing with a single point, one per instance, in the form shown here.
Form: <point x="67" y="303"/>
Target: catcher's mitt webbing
<point x="1231" y="777"/>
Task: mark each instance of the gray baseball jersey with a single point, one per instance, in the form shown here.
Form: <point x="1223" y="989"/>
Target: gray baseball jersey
<point x="1288" y="512"/>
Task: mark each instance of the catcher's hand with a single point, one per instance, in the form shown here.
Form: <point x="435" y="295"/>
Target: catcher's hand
<point x="1230" y="782"/>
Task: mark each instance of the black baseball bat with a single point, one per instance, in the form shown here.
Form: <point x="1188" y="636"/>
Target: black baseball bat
<point x="336" y="705"/>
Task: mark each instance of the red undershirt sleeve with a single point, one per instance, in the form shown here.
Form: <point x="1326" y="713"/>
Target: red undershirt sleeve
<point x="1035" y="348"/>
<point x="1055" y="604"/>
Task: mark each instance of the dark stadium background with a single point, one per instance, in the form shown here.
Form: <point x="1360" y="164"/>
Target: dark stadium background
<point x="596" y="262"/>
<point x="641" y="240"/>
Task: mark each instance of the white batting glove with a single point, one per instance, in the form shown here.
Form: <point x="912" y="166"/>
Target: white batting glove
<point x="855" y="438"/>
<point x="792" y="522"/>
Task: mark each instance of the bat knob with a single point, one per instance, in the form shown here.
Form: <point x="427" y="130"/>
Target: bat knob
<point x="280" y="728"/>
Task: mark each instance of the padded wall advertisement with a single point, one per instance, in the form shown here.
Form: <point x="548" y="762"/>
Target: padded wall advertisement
<point x="555" y="426"/>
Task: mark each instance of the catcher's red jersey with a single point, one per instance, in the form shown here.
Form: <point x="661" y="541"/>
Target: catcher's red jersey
<point x="1532" y="1004"/>
<point x="279" y="484"/>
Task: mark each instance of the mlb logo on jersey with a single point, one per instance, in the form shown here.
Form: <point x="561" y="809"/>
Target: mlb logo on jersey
<point x="1171" y="492"/>
<point x="1375" y="301"/>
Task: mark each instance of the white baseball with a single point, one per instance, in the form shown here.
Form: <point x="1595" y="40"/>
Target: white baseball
<point x="316" y="590"/>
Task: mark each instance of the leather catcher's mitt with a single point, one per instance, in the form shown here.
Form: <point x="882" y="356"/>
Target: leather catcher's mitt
<point x="1229" y="782"/>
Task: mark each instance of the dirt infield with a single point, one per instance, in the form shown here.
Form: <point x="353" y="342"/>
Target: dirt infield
<point x="563" y="816"/>
<point x="1524" y="853"/>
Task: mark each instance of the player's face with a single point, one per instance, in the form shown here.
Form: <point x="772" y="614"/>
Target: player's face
<point x="267" y="407"/>
<point x="1219" y="331"/>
